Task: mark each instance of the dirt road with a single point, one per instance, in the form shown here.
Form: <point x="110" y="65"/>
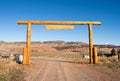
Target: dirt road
<point x="57" y="69"/>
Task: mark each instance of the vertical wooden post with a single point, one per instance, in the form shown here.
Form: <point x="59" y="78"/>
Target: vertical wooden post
<point x="95" y="56"/>
<point x="90" y="43"/>
<point x="28" y="38"/>
<point x="24" y="55"/>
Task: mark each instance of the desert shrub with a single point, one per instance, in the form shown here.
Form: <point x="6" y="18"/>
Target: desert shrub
<point x="113" y="52"/>
<point x="101" y="53"/>
<point x="118" y="50"/>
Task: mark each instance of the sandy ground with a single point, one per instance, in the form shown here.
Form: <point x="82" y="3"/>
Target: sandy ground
<point x="57" y="69"/>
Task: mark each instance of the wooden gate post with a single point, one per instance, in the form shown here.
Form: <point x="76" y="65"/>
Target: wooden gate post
<point x="90" y="43"/>
<point x="24" y="55"/>
<point x="27" y="49"/>
<point x="95" y="56"/>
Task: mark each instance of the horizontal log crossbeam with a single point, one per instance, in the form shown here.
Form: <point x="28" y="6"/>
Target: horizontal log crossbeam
<point x="58" y="22"/>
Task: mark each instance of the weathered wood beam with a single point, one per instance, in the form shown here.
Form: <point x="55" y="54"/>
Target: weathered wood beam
<point x="90" y="43"/>
<point x="28" y="40"/>
<point x="57" y="27"/>
<point x="58" y="22"/>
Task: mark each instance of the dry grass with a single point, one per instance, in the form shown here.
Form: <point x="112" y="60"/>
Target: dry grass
<point x="10" y="72"/>
<point x="110" y="62"/>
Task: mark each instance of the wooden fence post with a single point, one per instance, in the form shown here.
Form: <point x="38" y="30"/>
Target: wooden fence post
<point x="95" y="56"/>
<point x="24" y="55"/>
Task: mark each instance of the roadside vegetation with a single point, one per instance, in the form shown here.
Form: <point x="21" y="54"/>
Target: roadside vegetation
<point x="11" y="72"/>
<point x="110" y="60"/>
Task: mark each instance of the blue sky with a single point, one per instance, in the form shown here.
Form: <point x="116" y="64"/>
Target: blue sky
<point x="105" y="11"/>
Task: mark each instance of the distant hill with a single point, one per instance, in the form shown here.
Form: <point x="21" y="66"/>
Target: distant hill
<point x="60" y="43"/>
<point x="53" y="46"/>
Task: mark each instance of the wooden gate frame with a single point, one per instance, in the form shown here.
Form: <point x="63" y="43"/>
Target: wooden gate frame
<point x="26" y="54"/>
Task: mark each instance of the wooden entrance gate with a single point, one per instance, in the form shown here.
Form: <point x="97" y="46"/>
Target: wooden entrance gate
<point x="26" y="55"/>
